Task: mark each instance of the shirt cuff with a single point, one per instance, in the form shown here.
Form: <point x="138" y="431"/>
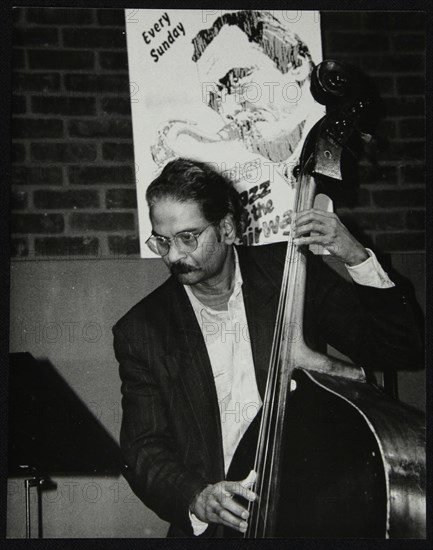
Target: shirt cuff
<point x="370" y="273"/>
<point x="198" y="526"/>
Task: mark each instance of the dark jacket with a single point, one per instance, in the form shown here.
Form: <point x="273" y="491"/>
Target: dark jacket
<point x="171" y="434"/>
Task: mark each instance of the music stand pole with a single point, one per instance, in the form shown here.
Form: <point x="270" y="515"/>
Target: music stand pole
<point x="28" y="483"/>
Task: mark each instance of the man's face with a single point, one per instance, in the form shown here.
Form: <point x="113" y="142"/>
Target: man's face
<point x="170" y="217"/>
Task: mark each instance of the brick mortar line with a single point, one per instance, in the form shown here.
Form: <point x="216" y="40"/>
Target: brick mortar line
<point x="71" y="139"/>
<point x="120" y="140"/>
<point x="91" y="71"/>
<point x="97" y="71"/>
<point x="66" y="95"/>
<point x="89" y="234"/>
<point x="67" y="117"/>
<point x="57" y="47"/>
<point x="81" y="234"/>
<point x="388" y="73"/>
<point x="31" y="244"/>
<point x="28" y="24"/>
<point x="43" y="258"/>
<point x="103" y="245"/>
<point x="43" y="210"/>
<point x="67" y="71"/>
<point x="380" y="209"/>
<point x="88" y="164"/>
<point x="37" y="163"/>
<point x="65" y="179"/>
<point x="376" y="232"/>
<point x="99" y="153"/>
<point x="390" y="163"/>
<point x="411" y="140"/>
<point x="66" y="257"/>
<point x="393" y="34"/>
<point x="72" y="187"/>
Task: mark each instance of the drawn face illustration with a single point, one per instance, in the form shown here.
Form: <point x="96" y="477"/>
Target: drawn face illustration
<point x="264" y="106"/>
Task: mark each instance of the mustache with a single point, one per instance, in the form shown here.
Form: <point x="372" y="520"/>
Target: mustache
<point x="180" y="268"/>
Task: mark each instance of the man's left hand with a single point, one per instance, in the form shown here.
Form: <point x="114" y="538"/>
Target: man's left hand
<point x="329" y="232"/>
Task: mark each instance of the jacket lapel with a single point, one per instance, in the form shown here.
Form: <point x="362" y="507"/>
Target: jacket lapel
<point x="261" y="289"/>
<point x="191" y="358"/>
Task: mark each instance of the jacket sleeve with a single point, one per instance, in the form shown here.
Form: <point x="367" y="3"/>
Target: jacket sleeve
<point x="153" y="468"/>
<point x="376" y="327"/>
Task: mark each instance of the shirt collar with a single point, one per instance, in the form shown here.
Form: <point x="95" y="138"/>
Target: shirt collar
<point x="238" y="276"/>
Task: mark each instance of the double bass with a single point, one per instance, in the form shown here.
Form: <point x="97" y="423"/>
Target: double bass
<point x="335" y="456"/>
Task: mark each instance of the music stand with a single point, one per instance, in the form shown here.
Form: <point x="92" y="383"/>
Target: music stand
<point x="51" y="431"/>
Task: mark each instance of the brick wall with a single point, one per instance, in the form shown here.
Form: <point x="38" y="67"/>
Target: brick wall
<point x="390" y="47"/>
<point x="73" y="192"/>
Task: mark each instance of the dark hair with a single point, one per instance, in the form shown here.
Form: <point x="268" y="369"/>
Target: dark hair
<point x="187" y="180"/>
<point x="280" y="44"/>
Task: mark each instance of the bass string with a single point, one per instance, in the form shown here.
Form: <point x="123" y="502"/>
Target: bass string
<point x="266" y="439"/>
<point x="263" y="441"/>
<point x="267" y="435"/>
<point x="275" y="430"/>
<point x="271" y="374"/>
<point x="277" y="424"/>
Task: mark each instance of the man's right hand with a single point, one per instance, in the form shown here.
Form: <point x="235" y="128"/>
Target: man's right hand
<point x="215" y="504"/>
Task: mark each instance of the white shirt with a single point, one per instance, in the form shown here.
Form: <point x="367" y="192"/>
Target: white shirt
<point x="228" y="344"/>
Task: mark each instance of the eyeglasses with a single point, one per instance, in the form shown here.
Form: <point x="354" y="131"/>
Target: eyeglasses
<point x="185" y="241"/>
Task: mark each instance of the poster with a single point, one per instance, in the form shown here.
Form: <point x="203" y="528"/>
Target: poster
<point x="230" y="88"/>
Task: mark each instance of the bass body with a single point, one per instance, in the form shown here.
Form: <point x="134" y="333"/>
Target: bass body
<point x="354" y="462"/>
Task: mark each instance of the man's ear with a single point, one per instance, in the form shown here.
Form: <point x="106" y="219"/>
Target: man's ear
<point x="302" y="72"/>
<point x="228" y="229"/>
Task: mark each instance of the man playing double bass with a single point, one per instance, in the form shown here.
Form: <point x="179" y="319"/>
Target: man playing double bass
<point x="194" y="353"/>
